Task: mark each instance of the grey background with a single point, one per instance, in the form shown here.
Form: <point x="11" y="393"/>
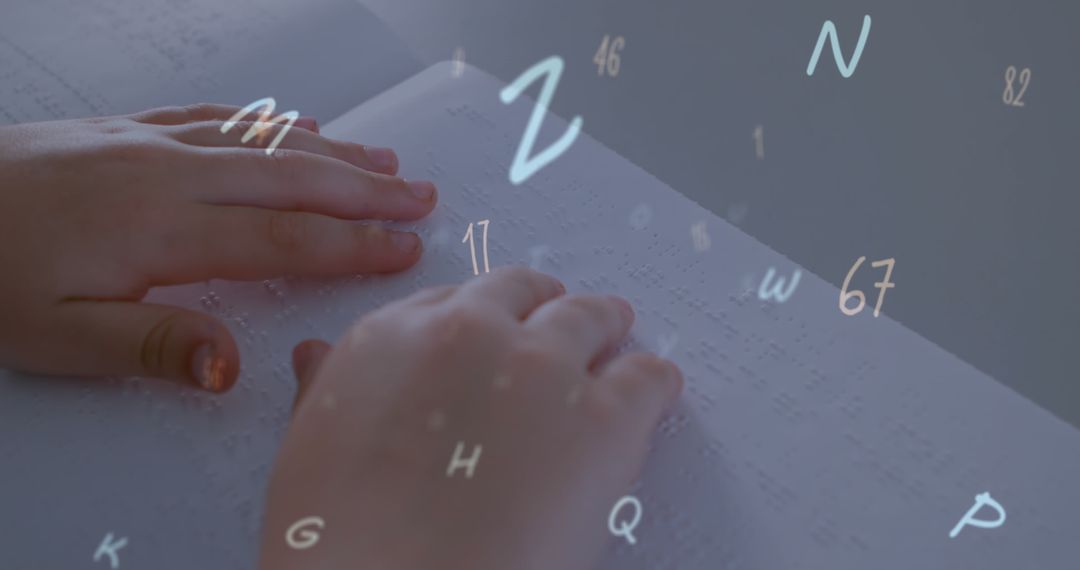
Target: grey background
<point x="914" y="157"/>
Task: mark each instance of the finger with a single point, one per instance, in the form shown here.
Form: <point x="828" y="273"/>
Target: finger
<point x="208" y="134"/>
<point x="431" y="295"/>
<point x="358" y="335"/>
<point x="298" y="180"/>
<point x="644" y="385"/>
<point x="179" y="115"/>
<point x="141" y="339"/>
<point x="424" y="298"/>
<point x="176" y="115"/>
<point x="240" y="243"/>
<point x="583" y="326"/>
<point x="516" y="290"/>
<point x="307" y="357"/>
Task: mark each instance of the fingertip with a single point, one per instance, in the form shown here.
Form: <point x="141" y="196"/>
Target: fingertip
<point x="422" y="190"/>
<point x="423" y="196"/>
<point x="215" y="361"/>
<point x="308" y="123"/>
<point x="560" y="287"/>
<point x="650" y="385"/>
<point x="306" y="357"/>
<point x="557" y="287"/>
<point x="408" y="248"/>
<point x="625" y="309"/>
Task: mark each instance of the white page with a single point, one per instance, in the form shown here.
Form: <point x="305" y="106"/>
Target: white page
<point x="77" y="58"/>
<point x="805" y="438"/>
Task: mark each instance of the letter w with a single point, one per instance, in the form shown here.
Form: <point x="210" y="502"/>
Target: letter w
<point x="777" y="291"/>
<point x="264" y="122"/>
<point x="828" y="30"/>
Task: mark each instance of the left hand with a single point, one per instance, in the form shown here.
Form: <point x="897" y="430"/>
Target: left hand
<point x="95" y="212"/>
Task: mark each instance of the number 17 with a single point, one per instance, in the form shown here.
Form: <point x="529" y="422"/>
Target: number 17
<point x="472" y="246"/>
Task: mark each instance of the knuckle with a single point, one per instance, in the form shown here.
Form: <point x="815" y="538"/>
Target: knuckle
<point x="350" y="149"/>
<point x="161" y="112"/>
<point x="133" y="150"/>
<point x="580" y="303"/>
<point x="152" y="353"/>
<point x="239" y="127"/>
<point x="462" y="319"/>
<point x="286" y="231"/>
<point x="534" y="356"/>
<point x="363" y="332"/>
<point x="644" y="375"/>
<point x="453" y="331"/>
<point x="248" y="124"/>
<point x="431" y="294"/>
<point x="114" y="127"/>
<point x="582" y="307"/>
<point x="601" y="410"/>
<point x="525" y="278"/>
<point x="579" y="312"/>
<point x="441" y="335"/>
<point x="650" y="365"/>
<point x="197" y="111"/>
<point x="288" y="164"/>
<point x="370" y="235"/>
<point x="522" y="275"/>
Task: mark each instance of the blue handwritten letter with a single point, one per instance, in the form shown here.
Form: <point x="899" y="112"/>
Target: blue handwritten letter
<point x="777" y="292"/>
<point x="828" y="30"/>
<point x="981" y="500"/>
<point x="524" y="167"/>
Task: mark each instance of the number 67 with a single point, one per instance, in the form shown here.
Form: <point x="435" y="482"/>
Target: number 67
<point x="883" y="285"/>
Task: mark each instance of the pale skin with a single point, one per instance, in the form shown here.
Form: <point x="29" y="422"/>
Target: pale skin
<point x="98" y="211"/>
<point x="507" y="361"/>
<point x="102" y="210"/>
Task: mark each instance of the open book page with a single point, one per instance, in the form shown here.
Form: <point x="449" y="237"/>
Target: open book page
<point x="320" y="57"/>
<point x="805" y="438"/>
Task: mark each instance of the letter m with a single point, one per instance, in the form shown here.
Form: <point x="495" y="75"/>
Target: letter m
<point x="263" y="123"/>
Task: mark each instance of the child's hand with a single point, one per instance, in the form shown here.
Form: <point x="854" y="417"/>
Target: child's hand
<point x="95" y="212"/>
<point x="504" y="364"/>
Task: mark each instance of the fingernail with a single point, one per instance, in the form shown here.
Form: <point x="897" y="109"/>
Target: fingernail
<point x="208" y="368"/>
<point x="422" y="189"/>
<point x="624" y="306"/>
<point x="404" y="241"/>
<point x="384" y="159"/>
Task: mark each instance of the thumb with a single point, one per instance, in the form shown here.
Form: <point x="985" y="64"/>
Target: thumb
<point x="307" y="357"/>
<point x="122" y="338"/>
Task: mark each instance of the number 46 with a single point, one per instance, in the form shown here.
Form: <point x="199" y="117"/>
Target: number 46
<point x="608" y="55"/>
<point x="883" y="285"/>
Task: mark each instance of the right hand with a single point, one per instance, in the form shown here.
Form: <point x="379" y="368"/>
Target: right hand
<point x="506" y="361"/>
